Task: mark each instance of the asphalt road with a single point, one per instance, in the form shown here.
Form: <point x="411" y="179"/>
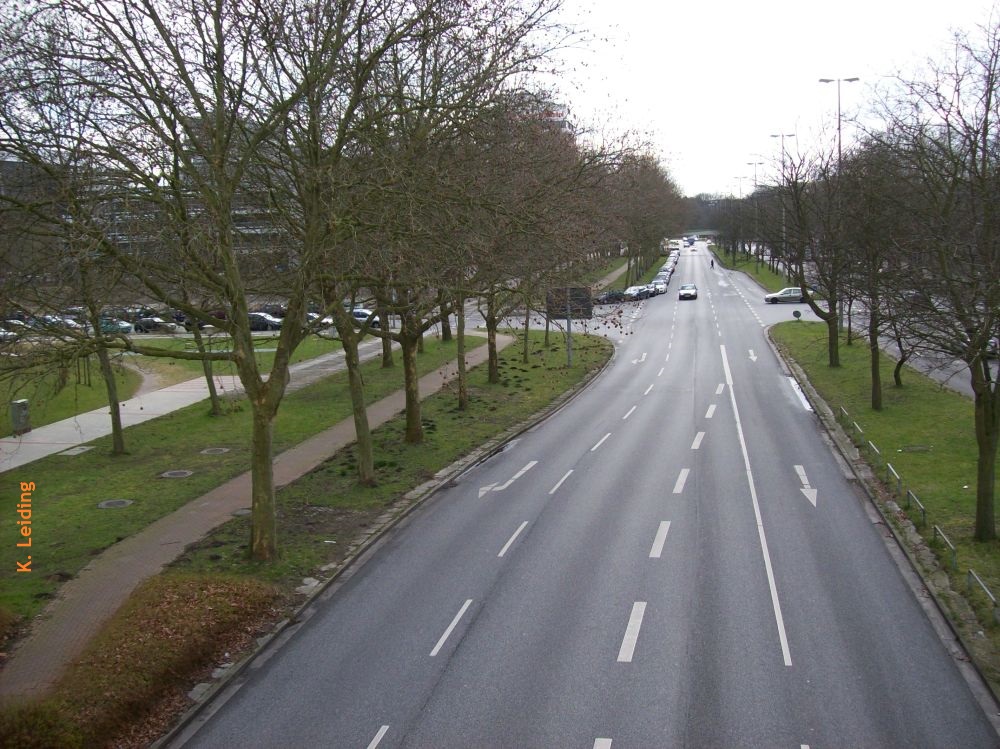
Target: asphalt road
<point x="676" y="558"/>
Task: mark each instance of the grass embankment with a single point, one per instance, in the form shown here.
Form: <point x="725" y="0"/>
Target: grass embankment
<point x="132" y="679"/>
<point x="767" y="278"/>
<point x="68" y="526"/>
<point x="927" y="433"/>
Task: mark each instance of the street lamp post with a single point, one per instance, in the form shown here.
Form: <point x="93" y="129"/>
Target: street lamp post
<point x="756" y="219"/>
<point x="784" y="241"/>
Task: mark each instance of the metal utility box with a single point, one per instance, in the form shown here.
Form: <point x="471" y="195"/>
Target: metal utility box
<point x="19" y="417"/>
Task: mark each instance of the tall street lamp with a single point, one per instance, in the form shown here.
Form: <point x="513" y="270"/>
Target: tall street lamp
<point x="756" y="220"/>
<point x="838" y="81"/>
<point x="784" y="242"/>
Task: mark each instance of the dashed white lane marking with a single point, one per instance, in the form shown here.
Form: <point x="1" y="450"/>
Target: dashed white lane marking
<point x="629" y="413"/>
<point x="718" y="390"/>
<point x="661" y="538"/>
<point x="600" y="442"/>
<point x="513" y="538"/>
<point x="648" y="389"/>
<point x="602" y="743"/>
<point x="697" y="440"/>
<point x="560" y="482"/>
<point x="378" y="737"/>
<point x="660" y="372"/>
<point x="632" y="632"/>
<point x="710" y="412"/>
<point x="681" y="479"/>
<point x="451" y="627"/>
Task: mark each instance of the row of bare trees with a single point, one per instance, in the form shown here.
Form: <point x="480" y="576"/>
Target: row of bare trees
<point x="202" y="155"/>
<point x="906" y="227"/>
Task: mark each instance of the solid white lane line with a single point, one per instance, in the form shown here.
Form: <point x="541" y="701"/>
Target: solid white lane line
<point x="661" y="538"/>
<point x="679" y="486"/>
<point x="512" y="538"/>
<point x="602" y="743"/>
<point x="629" y="413"/>
<point x="697" y="440"/>
<point x="560" y="481"/>
<point x="660" y="372"/>
<point x="718" y="390"/>
<point x="632" y="632"/>
<point x="779" y="620"/>
<point x="454" y="623"/>
<point x="378" y="737"/>
<point x="648" y="389"/>
<point x="711" y="412"/>
<point x="600" y="442"/>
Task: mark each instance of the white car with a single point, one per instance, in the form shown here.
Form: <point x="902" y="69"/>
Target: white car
<point x="687" y="291"/>
<point x="790" y="294"/>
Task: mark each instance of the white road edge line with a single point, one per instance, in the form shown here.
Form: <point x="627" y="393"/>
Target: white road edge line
<point x="681" y="479"/>
<point x="454" y="623"/>
<point x="629" y="413"/>
<point x="600" y="442"/>
<point x="378" y="737"/>
<point x="512" y="538"/>
<point x="632" y="632"/>
<point x="710" y="412"/>
<point x="661" y="538"/>
<point x="697" y="440"/>
<point x="779" y="620"/>
<point x="560" y="482"/>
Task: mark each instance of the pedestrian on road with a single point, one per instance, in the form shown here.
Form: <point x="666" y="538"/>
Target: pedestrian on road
<point x="713" y="262"/>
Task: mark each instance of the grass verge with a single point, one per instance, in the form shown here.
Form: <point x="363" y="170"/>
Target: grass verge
<point x="926" y="432"/>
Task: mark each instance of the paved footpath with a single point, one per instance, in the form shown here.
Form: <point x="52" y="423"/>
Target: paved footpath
<point x="86" y="602"/>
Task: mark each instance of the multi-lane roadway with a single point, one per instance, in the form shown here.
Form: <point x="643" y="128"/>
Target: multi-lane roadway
<point x="674" y="559"/>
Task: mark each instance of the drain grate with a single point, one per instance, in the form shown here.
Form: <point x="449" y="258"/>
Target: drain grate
<point x="215" y="451"/>
<point x="175" y="474"/>
<point x="114" y="504"/>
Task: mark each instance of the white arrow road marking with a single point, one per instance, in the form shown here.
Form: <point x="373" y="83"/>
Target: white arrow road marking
<point x="451" y="627"/>
<point x="494" y="487"/>
<point x="632" y="632"/>
<point x="378" y="737"/>
<point x="753" y="356"/>
<point x="806" y="489"/>
<point x="661" y="538"/>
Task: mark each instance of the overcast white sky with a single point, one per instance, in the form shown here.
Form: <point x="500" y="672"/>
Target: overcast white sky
<point x="709" y="82"/>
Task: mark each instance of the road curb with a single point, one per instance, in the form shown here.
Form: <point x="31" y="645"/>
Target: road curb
<point x="229" y="683"/>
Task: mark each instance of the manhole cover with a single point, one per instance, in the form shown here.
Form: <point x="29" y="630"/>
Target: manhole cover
<point x="175" y="474"/>
<point x="241" y="512"/>
<point x="215" y="451"/>
<point x="78" y="450"/>
<point x="114" y="504"/>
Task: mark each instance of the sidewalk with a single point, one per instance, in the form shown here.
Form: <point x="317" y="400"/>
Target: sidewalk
<point x="82" y="428"/>
<point x="87" y="601"/>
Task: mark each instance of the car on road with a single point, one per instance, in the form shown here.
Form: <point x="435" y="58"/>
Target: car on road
<point x="156" y="325"/>
<point x="687" y="291"/>
<point x="114" y="325"/>
<point x="790" y="294"/>
<point x="660" y="286"/>
<point x="263" y="321"/>
<point x="635" y="293"/>
<point x="362" y="315"/>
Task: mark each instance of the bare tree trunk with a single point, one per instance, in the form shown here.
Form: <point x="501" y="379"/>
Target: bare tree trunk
<point x="263" y="525"/>
<point x="445" y="321"/>
<point x="107" y="372"/>
<point x="527" y="323"/>
<point x="362" y="429"/>
<point x="383" y="317"/>
<point x="987" y="411"/>
<point x="206" y="364"/>
<point x="875" y="359"/>
<point x="411" y="387"/>
<point x="493" y="367"/>
<point x="463" y="384"/>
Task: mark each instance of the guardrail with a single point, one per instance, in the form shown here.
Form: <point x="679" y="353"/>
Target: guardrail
<point x="971" y="577"/>
<point x="949" y="544"/>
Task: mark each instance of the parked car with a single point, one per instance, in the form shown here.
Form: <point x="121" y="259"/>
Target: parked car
<point x="155" y="325"/>
<point x="363" y="316"/>
<point x="610" y="296"/>
<point x="264" y="321"/>
<point x="651" y="288"/>
<point x="58" y="323"/>
<point x="790" y="294"/>
<point x="114" y="325"/>
<point x="635" y="293"/>
<point x="687" y="291"/>
<point x="275" y="309"/>
<point x="660" y="286"/>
